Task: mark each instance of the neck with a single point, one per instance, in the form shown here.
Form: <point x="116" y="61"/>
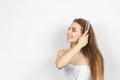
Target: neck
<point x="73" y="45"/>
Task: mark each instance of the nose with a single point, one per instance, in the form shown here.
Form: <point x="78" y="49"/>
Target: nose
<point x="68" y="32"/>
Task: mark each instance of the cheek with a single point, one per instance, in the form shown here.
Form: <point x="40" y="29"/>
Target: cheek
<point x="76" y="36"/>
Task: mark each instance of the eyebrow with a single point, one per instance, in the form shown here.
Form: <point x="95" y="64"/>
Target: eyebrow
<point x="72" y="27"/>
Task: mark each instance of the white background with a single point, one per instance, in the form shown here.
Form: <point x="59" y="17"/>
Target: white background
<point x="32" y="31"/>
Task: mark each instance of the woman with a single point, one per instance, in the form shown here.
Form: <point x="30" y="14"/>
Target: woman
<point x="83" y="60"/>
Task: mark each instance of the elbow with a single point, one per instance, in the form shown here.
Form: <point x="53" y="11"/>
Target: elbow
<point x="58" y="65"/>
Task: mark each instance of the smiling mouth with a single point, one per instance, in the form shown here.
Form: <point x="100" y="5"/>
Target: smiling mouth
<point x="69" y="37"/>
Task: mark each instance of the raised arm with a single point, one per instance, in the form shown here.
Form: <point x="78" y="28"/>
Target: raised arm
<point x="64" y="58"/>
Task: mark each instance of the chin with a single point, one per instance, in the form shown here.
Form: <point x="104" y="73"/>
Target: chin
<point x="70" y="41"/>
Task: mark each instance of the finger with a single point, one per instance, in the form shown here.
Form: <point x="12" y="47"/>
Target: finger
<point x="85" y="43"/>
<point x="86" y="37"/>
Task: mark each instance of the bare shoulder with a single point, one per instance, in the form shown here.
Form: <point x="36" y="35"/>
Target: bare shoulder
<point x="62" y="52"/>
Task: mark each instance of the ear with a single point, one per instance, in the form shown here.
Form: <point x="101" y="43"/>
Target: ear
<point x="81" y="34"/>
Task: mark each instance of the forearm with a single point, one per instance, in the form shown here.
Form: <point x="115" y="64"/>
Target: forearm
<point x="67" y="57"/>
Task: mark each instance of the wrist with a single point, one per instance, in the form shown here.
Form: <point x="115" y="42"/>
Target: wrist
<point x="79" y="45"/>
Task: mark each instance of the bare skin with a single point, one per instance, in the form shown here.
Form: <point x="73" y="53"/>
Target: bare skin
<point x="73" y="55"/>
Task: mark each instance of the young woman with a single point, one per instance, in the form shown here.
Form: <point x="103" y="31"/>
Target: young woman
<point x="83" y="60"/>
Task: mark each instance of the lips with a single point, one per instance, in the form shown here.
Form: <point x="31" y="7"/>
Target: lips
<point x="69" y="37"/>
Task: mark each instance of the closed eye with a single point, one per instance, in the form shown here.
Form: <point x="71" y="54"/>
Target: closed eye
<point x="74" y="30"/>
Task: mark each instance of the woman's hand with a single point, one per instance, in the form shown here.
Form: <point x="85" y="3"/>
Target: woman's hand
<point x="82" y="41"/>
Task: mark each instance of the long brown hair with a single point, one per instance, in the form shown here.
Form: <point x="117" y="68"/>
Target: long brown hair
<point x="92" y="52"/>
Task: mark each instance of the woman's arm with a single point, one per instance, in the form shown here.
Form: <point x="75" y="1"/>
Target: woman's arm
<point x="65" y="57"/>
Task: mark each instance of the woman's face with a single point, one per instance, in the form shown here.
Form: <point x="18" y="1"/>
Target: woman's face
<point x="74" y="32"/>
